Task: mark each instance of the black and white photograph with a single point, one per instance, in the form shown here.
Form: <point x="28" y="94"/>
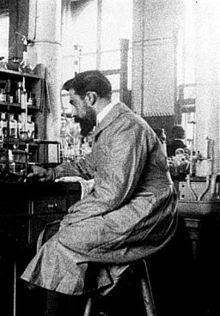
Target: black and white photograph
<point x="109" y="157"/>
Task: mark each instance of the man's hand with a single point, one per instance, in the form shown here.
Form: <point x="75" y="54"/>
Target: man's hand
<point x="40" y="174"/>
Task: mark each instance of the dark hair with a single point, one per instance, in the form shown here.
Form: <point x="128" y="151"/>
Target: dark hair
<point x="178" y="131"/>
<point x="92" y="80"/>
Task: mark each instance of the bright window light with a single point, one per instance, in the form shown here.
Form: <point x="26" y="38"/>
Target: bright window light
<point x="116" y="22"/>
<point x="4" y="35"/>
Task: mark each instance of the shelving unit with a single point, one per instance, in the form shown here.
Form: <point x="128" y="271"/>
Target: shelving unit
<point x="19" y="149"/>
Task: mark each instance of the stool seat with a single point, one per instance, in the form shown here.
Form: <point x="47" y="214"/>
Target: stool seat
<point x="134" y="287"/>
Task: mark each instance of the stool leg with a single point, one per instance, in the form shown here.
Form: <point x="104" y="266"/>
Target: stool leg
<point x="147" y="293"/>
<point x="88" y="307"/>
<point x="14" y="288"/>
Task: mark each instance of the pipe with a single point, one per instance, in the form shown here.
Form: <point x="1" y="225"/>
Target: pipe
<point x="190" y="187"/>
<point x="206" y="188"/>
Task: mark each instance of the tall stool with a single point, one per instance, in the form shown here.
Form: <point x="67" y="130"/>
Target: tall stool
<point x="137" y="271"/>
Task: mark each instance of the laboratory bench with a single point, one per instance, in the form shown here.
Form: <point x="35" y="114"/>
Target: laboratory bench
<point x="25" y="208"/>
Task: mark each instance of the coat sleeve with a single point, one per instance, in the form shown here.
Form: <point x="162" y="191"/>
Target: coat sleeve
<point x="123" y="156"/>
<point x="82" y="168"/>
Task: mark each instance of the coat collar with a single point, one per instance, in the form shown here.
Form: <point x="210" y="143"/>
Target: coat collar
<point x="117" y="109"/>
<point x="101" y="115"/>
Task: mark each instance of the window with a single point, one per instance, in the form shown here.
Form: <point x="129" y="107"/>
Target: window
<point x="92" y="31"/>
<point x="199" y="44"/>
<point x="4" y="35"/>
<point x="91" y="34"/>
<point x="186" y="52"/>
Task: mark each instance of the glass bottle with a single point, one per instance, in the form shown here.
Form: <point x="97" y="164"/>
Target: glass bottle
<point x="13" y="126"/>
<point x="2" y="95"/>
<point x="8" y="90"/>
<point x="30" y="127"/>
<point x="30" y="99"/>
<point x="4" y="125"/>
<point x="23" y="99"/>
<point x="18" y="92"/>
<point x="1" y="130"/>
<point x="19" y="126"/>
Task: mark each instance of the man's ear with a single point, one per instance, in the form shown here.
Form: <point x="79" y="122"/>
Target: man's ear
<point x="92" y="97"/>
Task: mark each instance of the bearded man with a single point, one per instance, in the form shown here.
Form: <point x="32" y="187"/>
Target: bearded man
<point x="131" y="211"/>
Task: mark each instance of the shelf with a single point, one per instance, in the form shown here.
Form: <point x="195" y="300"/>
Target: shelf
<point x="19" y="74"/>
<point x="34" y="84"/>
<point x="14" y="161"/>
<point x="18" y="142"/>
<point x="9" y="104"/>
<point x="17" y="106"/>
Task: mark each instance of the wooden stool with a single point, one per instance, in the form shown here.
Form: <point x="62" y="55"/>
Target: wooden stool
<point x="139" y="272"/>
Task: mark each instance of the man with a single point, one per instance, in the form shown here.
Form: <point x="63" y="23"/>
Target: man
<point x="178" y="140"/>
<point x="131" y="211"/>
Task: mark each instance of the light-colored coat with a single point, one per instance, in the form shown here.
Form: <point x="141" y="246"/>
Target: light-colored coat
<point x="130" y="214"/>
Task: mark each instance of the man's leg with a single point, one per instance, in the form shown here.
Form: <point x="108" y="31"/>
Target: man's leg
<point x="58" y="304"/>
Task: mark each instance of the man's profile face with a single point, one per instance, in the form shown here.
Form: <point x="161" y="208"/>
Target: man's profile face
<point x="84" y="113"/>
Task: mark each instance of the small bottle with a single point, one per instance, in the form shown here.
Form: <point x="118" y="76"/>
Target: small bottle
<point x="1" y="130"/>
<point x="30" y="127"/>
<point x="23" y="99"/>
<point x="12" y="167"/>
<point x="19" y="126"/>
<point x="13" y="126"/>
<point x="24" y="121"/>
<point x="2" y="95"/>
<point x="11" y="161"/>
<point x="4" y="126"/>
<point x="30" y="100"/>
<point x="18" y="92"/>
<point x="8" y="90"/>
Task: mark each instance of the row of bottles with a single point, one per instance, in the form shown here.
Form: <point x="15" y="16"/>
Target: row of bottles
<point x="23" y="97"/>
<point x="18" y="94"/>
<point x="17" y="128"/>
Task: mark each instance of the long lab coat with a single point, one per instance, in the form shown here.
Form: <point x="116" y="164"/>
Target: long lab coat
<point x="130" y="213"/>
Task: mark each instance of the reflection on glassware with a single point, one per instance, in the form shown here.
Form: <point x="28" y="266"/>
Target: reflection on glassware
<point x="71" y="139"/>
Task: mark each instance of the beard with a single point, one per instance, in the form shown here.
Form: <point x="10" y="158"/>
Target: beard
<point x="88" y="122"/>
